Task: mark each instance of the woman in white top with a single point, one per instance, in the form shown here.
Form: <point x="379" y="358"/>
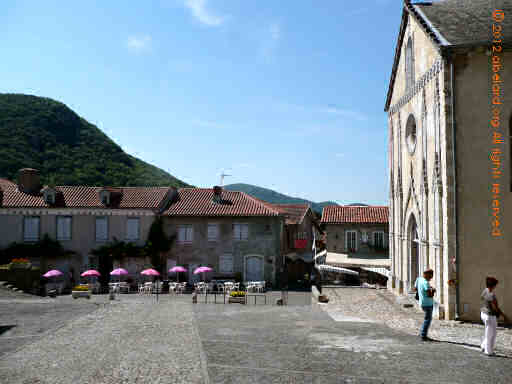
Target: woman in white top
<point x="490" y="313"/>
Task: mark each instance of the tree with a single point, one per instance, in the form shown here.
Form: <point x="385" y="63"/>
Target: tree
<point x="158" y="244"/>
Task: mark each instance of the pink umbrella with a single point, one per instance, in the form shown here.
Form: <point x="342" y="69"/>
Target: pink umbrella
<point x="202" y="270"/>
<point x="53" y="273"/>
<point x="118" y="272"/>
<point x="176" y="270"/>
<point x="150" y="272"/>
<point x="91" y="272"/>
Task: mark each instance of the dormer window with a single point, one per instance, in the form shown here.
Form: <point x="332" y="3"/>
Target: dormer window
<point x="49" y="195"/>
<point x="105" y="197"/>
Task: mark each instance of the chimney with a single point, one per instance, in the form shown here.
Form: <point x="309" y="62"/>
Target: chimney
<point x="217" y="194"/>
<point x="28" y="181"/>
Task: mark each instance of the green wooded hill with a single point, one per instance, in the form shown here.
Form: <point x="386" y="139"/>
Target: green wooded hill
<point x="37" y="132"/>
<point x="275" y="197"/>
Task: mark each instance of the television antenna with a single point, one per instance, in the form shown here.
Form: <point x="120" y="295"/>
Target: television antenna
<point x="222" y="175"/>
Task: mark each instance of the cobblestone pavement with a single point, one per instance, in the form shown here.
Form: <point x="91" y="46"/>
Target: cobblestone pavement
<point x="382" y="306"/>
<point x="138" y="340"/>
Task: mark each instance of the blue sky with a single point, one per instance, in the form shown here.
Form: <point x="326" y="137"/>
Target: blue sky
<point x="287" y="95"/>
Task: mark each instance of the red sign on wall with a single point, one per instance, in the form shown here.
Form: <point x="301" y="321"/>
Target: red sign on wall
<point x="301" y="243"/>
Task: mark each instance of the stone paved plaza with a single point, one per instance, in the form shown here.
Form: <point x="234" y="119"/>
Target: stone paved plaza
<point x="138" y="340"/>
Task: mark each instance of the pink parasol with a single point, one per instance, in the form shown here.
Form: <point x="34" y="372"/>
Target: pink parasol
<point x="53" y="273"/>
<point x="177" y="269"/>
<point x="202" y="270"/>
<point x="91" y="272"/>
<point x="119" y="272"/>
<point x="150" y="272"/>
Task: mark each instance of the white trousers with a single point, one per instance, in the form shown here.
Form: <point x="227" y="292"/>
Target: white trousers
<point x="490" y="333"/>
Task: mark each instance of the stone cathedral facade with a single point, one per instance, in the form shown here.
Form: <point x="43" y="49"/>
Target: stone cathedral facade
<point x="441" y="201"/>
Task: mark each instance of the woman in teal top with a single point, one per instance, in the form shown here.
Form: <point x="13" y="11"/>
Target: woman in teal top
<point x="426" y="294"/>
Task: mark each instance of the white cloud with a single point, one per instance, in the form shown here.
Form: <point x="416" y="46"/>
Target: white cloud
<point x="139" y="43"/>
<point x="202" y="14"/>
<point x="328" y="110"/>
<point x="334" y="110"/>
<point x="269" y="40"/>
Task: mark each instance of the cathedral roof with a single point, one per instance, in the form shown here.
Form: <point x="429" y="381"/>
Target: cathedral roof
<point x="453" y="24"/>
<point x="465" y="22"/>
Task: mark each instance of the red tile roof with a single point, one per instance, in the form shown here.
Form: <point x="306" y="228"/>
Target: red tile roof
<point x="199" y="202"/>
<point x="5" y="184"/>
<point x="334" y="214"/>
<point x="85" y="197"/>
<point x="293" y="213"/>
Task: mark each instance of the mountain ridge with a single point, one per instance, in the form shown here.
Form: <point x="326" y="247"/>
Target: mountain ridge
<point x="42" y="133"/>
<point x="275" y="197"/>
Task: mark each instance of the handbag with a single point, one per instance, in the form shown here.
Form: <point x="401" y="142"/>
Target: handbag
<point x="417" y="296"/>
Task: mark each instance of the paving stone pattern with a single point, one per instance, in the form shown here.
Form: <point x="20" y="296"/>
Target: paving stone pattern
<point x="382" y="306"/>
<point x="135" y="340"/>
<point x="138" y="340"/>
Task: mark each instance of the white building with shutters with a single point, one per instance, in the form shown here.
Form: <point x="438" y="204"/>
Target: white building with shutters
<point x="80" y="218"/>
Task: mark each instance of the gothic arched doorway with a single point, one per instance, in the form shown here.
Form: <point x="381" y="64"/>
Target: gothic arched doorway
<point x="413" y="251"/>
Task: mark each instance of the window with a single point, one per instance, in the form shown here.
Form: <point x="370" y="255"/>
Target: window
<point x="132" y="228"/>
<point x="226" y="263"/>
<point x="378" y="240"/>
<point x="213" y="232"/>
<point x="409" y="64"/>
<point x="63" y="227"/>
<point x="410" y="133"/>
<point x="185" y="234"/>
<point x="31" y="228"/>
<point x="240" y="231"/>
<point x="436" y="216"/>
<point x="351" y="241"/>
<point x="101" y="228"/>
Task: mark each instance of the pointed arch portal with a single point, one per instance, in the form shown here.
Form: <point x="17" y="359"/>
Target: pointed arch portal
<point x="413" y="251"/>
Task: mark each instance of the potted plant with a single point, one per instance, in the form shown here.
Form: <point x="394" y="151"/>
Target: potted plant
<point x="237" y="297"/>
<point x="81" y="291"/>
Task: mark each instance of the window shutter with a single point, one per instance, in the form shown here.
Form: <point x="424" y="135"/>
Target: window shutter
<point x="63" y="228"/>
<point x="31" y="230"/>
<point x="236" y="231"/>
<point x="132" y="229"/>
<point x="226" y="263"/>
<point x="213" y="231"/>
<point x="101" y="228"/>
<point x="245" y="232"/>
<point x="181" y="234"/>
<point x="190" y="233"/>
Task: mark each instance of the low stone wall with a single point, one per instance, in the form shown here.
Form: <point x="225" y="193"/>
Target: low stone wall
<point x="26" y="279"/>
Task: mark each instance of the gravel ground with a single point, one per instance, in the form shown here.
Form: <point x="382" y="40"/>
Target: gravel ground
<point x="382" y="306"/>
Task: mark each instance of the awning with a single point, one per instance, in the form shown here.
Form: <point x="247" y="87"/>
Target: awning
<point x="323" y="253"/>
<point x="330" y="268"/>
<point x="380" y="271"/>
